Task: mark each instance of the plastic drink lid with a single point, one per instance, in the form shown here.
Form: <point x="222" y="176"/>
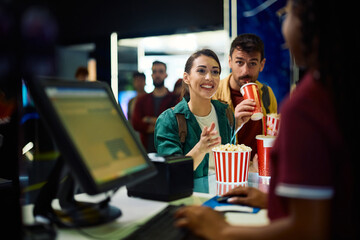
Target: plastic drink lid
<point x="257" y="116"/>
<point x="260" y="137"/>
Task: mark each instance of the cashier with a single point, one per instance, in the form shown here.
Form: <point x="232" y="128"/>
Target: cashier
<point x="314" y="186"/>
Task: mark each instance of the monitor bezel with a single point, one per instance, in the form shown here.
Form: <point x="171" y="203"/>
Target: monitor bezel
<point x="65" y="144"/>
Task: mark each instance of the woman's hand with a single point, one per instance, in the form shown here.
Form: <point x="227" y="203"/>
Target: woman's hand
<point x="207" y="139"/>
<point x="206" y="143"/>
<point x="248" y="196"/>
<point x="243" y="111"/>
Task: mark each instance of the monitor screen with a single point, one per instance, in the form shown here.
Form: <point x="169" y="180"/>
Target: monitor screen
<point x="92" y="134"/>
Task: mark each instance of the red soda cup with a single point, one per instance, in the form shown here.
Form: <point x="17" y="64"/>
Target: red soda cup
<point x="264" y="146"/>
<point x="250" y="91"/>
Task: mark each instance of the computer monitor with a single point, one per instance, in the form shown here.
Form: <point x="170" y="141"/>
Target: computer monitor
<point x="92" y="134"/>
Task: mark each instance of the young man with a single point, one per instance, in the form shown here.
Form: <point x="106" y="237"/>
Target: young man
<point x="246" y="61"/>
<point x="82" y="74"/>
<point x="139" y="85"/>
<point x="149" y="106"/>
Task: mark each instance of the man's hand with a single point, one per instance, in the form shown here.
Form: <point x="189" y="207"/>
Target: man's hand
<point x="243" y="111"/>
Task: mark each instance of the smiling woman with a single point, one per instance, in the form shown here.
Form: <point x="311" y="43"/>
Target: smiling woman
<point x="202" y="80"/>
<point x="206" y="119"/>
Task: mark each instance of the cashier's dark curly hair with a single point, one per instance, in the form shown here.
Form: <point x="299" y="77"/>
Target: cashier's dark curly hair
<point x="330" y="28"/>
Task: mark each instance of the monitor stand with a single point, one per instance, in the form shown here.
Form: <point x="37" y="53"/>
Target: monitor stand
<point x="72" y="213"/>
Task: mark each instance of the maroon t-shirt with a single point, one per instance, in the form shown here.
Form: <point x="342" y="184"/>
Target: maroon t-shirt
<point x="309" y="153"/>
<point x="249" y="131"/>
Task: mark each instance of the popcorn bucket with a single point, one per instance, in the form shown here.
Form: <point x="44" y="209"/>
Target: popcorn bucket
<point x="250" y="91"/>
<point x="264" y="146"/>
<point x="232" y="166"/>
<point x="272" y="124"/>
<point x="222" y="188"/>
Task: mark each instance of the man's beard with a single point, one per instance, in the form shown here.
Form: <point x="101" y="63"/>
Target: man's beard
<point x="246" y="78"/>
<point x="159" y="84"/>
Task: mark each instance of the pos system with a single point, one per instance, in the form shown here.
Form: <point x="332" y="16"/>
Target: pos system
<point x="174" y="179"/>
<point x="99" y="150"/>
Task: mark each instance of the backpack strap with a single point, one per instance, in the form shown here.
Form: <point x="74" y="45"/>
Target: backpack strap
<point x="265" y="98"/>
<point x="181" y="121"/>
<point x="229" y="115"/>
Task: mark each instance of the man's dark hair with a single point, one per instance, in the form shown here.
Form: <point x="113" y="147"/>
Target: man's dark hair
<point x="81" y="71"/>
<point x="248" y="43"/>
<point x="159" y="62"/>
<point x="138" y="74"/>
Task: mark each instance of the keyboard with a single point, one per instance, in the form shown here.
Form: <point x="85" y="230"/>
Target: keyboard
<point x="161" y="227"/>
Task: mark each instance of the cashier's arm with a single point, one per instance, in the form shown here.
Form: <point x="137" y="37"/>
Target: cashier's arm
<point x="308" y="219"/>
<point x="205" y="144"/>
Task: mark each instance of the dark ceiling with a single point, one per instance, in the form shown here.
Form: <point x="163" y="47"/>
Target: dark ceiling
<point x="83" y="21"/>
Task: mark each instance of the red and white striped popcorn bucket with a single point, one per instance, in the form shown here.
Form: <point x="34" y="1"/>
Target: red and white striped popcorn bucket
<point x="232" y="166"/>
<point x="222" y="188"/>
<point x="272" y="125"/>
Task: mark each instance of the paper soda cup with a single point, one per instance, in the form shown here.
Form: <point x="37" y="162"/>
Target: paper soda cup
<point x="264" y="146"/>
<point x="250" y="91"/>
<point x="222" y="188"/>
<point x="272" y="124"/>
<point x="231" y="166"/>
<point x="264" y="184"/>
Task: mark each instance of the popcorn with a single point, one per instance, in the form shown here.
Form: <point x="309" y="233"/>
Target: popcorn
<point x="232" y="148"/>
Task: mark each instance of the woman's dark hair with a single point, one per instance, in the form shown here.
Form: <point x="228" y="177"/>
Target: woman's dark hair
<point x="138" y="74"/>
<point x="328" y="28"/>
<point x="203" y="52"/>
<point x="189" y="64"/>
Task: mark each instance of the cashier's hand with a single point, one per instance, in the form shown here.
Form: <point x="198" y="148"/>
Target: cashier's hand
<point x="248" y="196"/>
<point x="202" y="221"/>
<point x="243" y="111"/>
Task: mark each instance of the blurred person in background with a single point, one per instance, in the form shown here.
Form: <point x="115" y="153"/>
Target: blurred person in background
<point x="82" y="74"/>
<point x="139" y="85"/>
<point x="314" y="186"/>
<point x="178" y="88"/>
<point x="149" y="106"/>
